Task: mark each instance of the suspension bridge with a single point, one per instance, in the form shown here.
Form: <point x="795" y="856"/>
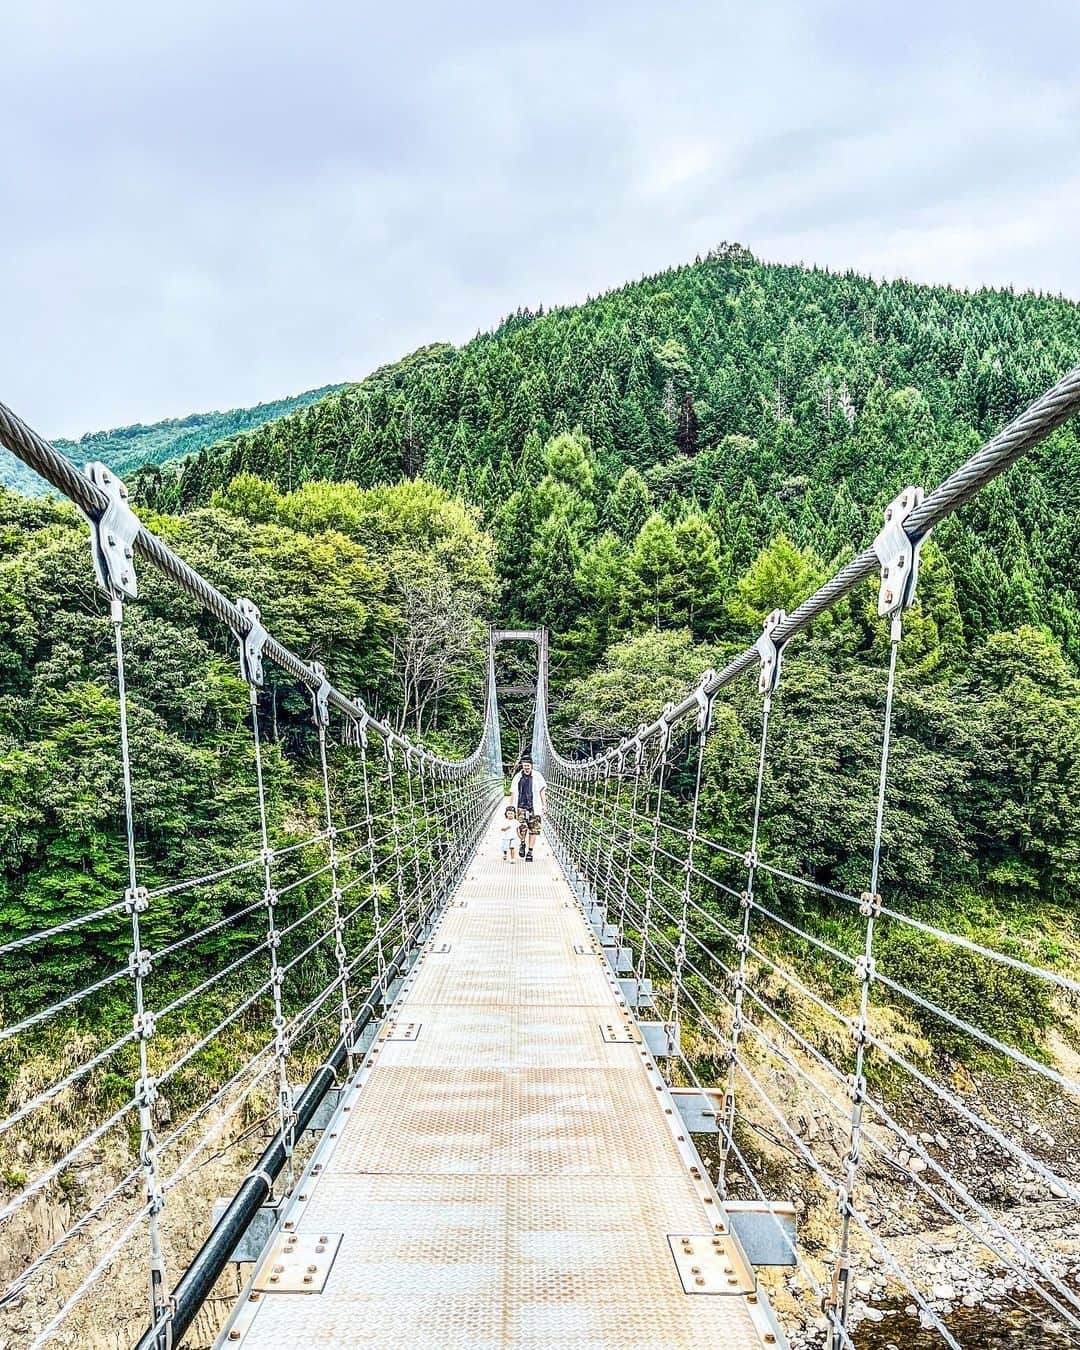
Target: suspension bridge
<point x="481" y="1116"/>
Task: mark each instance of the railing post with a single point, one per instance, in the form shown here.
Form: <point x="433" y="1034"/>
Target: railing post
<point x="898" y="553"/>
<point x="251" y="669"/>
<point x="770" y="655"/>
<point x="702" y="726"/>
<point x="661" y="773"/>
<point x="321" y="712"/>
<point x="112" y="536"/>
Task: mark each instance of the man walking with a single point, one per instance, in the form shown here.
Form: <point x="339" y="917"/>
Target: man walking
<point x="528" y="797"/>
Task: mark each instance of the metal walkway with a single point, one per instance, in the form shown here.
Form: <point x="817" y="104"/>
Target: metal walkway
<point x="507" y="1167"/>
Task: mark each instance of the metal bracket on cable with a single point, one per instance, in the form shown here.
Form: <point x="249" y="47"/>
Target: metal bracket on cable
<point x="320" y="696"/>
<point x="112" y="536"/>
<point x="704" y="701"/>
<point x="898" y="552"/>
<point x="251" y="644"/>
<point x="770" y="652"/>
<point x="363" y="717"/>
<point x="667" y="729"/>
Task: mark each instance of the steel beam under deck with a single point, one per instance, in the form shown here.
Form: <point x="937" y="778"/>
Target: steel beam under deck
<point x="507" y="1168"/>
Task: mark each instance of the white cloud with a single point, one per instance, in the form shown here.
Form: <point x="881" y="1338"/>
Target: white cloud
<point x="227" y="203"/>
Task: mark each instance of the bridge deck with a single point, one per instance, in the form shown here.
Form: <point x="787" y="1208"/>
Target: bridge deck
<point x="508" y="1176"/>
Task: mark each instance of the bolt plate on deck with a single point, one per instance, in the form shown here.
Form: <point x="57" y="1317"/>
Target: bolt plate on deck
<point x="403" y="1031"/>
<point x="618" y="1033"/>
<point x="708" y="1264"/>
<point x="298" y="1263"/>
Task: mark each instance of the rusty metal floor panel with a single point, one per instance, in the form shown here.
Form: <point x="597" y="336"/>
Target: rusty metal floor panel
<point x="506" y="1177"/>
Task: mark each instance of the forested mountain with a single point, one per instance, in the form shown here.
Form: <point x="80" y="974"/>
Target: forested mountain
<point x="744" y="399"/>
<point x="127" y="448"/>
<point x="647" y="474"/>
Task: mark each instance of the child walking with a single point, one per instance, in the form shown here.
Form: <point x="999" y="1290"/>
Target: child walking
<point x="508" y="832"/>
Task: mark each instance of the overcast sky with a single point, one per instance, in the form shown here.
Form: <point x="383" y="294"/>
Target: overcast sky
<point x="209" y="203"/>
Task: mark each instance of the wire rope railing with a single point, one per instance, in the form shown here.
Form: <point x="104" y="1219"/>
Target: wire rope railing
<point x="769" y="1002"/>
<point x="302" y="935"/>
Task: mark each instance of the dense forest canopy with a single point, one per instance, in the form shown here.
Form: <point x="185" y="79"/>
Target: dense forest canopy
<point x="736" y="400"/>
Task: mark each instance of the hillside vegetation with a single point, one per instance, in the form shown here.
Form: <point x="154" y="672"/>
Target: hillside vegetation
<point x="735" y="398"/>
<point x="128" y="448"/>
<point x="663" y="465"/>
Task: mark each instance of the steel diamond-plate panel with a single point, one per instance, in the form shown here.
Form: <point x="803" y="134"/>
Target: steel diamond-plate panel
<point x="509" y="1175"/>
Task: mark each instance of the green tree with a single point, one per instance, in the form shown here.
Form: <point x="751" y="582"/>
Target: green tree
<point x="780" y="577"/>
<point x="629" y="506"/>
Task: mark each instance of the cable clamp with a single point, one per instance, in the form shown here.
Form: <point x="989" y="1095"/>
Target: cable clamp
<point x="359" y="727"/>
<point x="704" y="701"/>
<point x="252" y="643"/>
<point x="738" y="982"/>
<point x="144" y="1025"/>
<point x="770" y="652"/>
<point x="688" y="865"/>
<point x="277" y="1023"/>
<point x="140" y="964"/>
<point x="742" y="943"/>
<point x="113" y="535"/>
<point x="870" y="905"/>
<point x="898" y="553"/>
<point x="667" y="729"/>
<point x="273" y="939"/>
<point x="261" y="1174"/>
<point x="856" y="1088"/>
<point x="146" y="1092"/>
<point x="320" y="695"/>
<point x="155" y="1197"/>
<point x="136" y="900"/>
<point x="843" y="1201"/>
<point x="858" y="1031"/>
<point x="864" y="969"/>
<point x="750" y="857"/>
<point x="335" y="899"/>
<point x="270" y="897"/>
<point x="339" y="951"/>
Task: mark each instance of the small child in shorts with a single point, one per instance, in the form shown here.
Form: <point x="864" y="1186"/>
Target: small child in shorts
<point x="508" y="834"/>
